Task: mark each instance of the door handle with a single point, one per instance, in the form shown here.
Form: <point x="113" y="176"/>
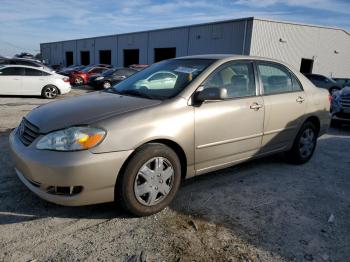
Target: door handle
<point x="16" y="79"/>
<point x="256" y="106"/>
<point x="300" y="99"/>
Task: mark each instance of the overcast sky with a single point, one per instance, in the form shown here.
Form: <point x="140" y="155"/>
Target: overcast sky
<point x="26" y="23"/>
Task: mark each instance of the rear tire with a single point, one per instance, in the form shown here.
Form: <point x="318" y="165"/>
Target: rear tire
<point x="150" y="180"/>
<point x="49" y="92"/>
<point x="304" y="144"/>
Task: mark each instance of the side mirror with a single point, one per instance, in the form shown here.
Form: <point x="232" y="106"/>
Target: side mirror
<point x="211" y="94"/>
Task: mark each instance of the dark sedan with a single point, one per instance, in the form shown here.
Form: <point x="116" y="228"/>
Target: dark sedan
<point x="322" y="81"/>
<point x="111" y="77"/>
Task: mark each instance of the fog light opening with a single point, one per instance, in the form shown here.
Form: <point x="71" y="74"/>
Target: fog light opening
<point x="64" y="190"/>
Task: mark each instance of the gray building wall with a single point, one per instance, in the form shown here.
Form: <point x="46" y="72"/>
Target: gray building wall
<point x="106" y="43"/>
<point x="230" y="37"/>
<point x="133" y="41"/>
<point x="289" y="42"/>
<point x="329" y="48"/>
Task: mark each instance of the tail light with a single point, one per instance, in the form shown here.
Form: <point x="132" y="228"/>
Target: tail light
<point x="330" y="99"/>
<point x="66" y="79"/>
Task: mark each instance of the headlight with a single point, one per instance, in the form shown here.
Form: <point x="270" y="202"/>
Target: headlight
<point x="72" y="139"/>
<point x="99" y="78"/>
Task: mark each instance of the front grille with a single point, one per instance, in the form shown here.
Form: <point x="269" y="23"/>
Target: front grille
<point x="345" y="102"/>
<point x="27" y="132"/>
<point x="343" y="115"/>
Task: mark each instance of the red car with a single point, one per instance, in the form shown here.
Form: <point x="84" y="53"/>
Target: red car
<point x="81" y="77"/>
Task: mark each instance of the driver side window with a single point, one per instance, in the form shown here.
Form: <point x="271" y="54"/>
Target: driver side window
<point x="238" y="78"/>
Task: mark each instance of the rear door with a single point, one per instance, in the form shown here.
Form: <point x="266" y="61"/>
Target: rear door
<point x="33" y="81"/>
<point x="285" y="105"/>
<point x="11" y="81"/>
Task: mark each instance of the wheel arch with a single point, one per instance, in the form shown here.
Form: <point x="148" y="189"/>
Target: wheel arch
<point x="314" y="120"/>
<point x="170" y="143"/>
<point x="58" y="90"/>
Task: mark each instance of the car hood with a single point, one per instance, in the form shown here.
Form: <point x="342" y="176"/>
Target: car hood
<point x="345" y="92"/>
<point x="84" y="110"/>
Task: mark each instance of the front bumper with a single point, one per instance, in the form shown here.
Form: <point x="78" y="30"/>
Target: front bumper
<point x="65" y="88"/>
<point x="41" y="170"/>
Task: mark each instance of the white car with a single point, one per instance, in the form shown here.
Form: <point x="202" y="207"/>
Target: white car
<point x="159" y="80"/>
<point x="28" y="80"/>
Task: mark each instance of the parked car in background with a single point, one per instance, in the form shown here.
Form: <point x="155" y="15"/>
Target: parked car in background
<point x="138" y="67"/>
<point x="25" y="62"/>
<point x="324" y="82"/>
<point x="342" y="81"/>
<point x="340" y="107"/>
<point x="67" y="70"/>
<point x="134" y="145"/>
<point x="81" y="77"/>
<point x="110" y="77"/>
<point x="27" y="80"/>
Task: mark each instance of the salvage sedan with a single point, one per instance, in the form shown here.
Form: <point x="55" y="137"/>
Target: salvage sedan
<point x="134" y="143"/>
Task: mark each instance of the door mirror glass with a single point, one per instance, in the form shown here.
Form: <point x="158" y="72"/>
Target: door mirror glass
<point x="211" y="94"/>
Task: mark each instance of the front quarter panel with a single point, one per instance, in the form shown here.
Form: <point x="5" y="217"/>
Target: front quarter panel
<point x="172" y="120"/>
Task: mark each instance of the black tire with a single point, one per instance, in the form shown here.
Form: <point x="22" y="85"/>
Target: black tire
<point x="78" y="81"/>
<point x="49" y="92"/>
<point x="295" y="154"/>
<point x="127" y="183"/>
<point x="335" y="123"/>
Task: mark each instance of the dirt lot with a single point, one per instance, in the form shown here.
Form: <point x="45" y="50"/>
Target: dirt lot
<point x="264" y="210"/>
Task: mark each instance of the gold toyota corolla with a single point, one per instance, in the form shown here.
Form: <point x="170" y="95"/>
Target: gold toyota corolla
<point x="179" y="118"/>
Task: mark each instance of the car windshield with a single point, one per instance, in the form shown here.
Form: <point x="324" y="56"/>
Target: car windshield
<point x="109" y="72"/>
<point x="162" y="80"/>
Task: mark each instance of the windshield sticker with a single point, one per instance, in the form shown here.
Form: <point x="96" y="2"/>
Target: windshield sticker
<point x="186" y="70"/>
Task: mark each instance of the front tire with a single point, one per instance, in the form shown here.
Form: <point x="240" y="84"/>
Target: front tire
<point x="150" y="180"/>
<point x="106" y="84"/>
<point x="78" y="81"/>
<point x="49" y="92"/>
<point x="304" y="144"/>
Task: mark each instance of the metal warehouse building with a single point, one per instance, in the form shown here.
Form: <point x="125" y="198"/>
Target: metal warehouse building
<point x="311" y="48"/>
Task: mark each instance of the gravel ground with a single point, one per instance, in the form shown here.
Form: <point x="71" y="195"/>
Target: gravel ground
<point x="264" y="210"/>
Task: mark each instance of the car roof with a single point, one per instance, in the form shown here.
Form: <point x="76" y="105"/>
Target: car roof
<point x="228" y="57"/>
<point x="25" y="66"/>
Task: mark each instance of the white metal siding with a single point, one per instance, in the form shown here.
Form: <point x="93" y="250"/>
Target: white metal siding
<point x="303" y="41"/>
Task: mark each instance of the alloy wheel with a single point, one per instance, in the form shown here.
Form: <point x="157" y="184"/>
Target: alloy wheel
<point x="50" y="92"/>
<point x="307" y="143"/>
<point x="107" y="84"/>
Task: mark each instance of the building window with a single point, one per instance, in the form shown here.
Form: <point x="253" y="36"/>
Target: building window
<point x="131" y="57"/>
<point x="164" y="53"/>
<point x="106" y="57"/>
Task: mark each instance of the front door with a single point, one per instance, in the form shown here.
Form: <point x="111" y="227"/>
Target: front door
<point x="285" y="106"/>
<point x="11" y="81"/>
<point x="231" y="130"/>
